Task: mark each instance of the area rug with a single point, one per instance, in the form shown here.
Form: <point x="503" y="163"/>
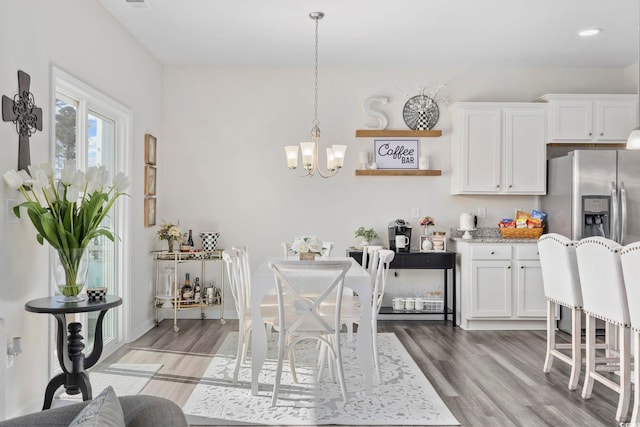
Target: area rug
<point x="125" y="378"/>
<point x="405" y="398"/>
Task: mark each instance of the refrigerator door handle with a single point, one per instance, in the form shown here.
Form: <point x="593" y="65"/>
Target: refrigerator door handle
<point x="623" y="212"/>
<point x="614" y="212"/>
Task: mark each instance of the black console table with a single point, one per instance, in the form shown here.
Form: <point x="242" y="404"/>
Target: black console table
<point x="434" y="260"/>
<point x="70" y="355"/>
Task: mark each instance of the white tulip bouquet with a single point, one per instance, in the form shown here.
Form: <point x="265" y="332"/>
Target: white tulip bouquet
<point x="67" y="213"/>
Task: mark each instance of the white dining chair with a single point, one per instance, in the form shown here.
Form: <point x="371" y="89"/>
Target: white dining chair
<point x="242" y="299"/>
<point x="367" y="255"/>
<point x="286" y="249"/>
<point x="381" y="259"/>
<point x="604" y="297"/>
<point x="236" y="262"/>
<point x="630" y="258"/>
<point x="327" y="247"/>
<point x="309" y="284"/>
<point x="561" y="282"/>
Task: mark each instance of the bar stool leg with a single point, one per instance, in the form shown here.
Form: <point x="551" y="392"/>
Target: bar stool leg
<point x="551" y="336"/>
<point x="576" y="347"/>
<point x="625" y="374"/>
<point x="636" y="377"/>
<point x="590" y="364"/>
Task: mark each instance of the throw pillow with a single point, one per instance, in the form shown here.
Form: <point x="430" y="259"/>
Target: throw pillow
<point x="103" y="411"/>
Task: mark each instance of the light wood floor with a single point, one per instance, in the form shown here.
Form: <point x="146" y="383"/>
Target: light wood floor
<point x="486" y="378"/>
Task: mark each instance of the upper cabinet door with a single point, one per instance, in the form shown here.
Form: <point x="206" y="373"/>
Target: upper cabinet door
<point x="499" y="148"/>
<point x="524" y="150"/>
<point x="481" y="150"/>
<point x="615" y="120"/>
<point x="591" y="118"/>
<point x="572" y="120"/>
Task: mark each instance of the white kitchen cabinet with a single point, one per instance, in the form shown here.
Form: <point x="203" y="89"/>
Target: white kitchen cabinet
<point x="491" y="288"/>
<point x="530" y="300"/>
<point x="499" y="148"/>
<point x="500" y="286"/>
<point x="591" y="118"/>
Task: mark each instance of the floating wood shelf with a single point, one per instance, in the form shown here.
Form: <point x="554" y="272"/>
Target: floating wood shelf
<point x="398" y="172"/>
<point x="386" y="133"/>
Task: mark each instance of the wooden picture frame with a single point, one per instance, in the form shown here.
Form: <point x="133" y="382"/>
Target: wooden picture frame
<point x="150" y="142"/>
<point x="149" y="180"/>
<point x="149" y="211"/>
<point x="396" y="154"/>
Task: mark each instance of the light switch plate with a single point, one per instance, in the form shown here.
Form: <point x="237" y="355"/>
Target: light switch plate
<point x="415" y="212"/>
<point x="482" y="212"/>
<point x="11" y="218"/>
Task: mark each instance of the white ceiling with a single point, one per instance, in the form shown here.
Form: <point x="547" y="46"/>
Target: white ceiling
<point x="532" y="33"/>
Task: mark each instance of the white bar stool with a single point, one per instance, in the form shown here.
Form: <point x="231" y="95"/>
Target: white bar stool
<point x="561" y="283"/>
<point x="630" y="258"/>
<point x="604" y="297"/>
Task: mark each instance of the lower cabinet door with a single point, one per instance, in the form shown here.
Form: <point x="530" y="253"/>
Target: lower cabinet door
<point x="491" y="289"/>
<point x="530" y="291"/>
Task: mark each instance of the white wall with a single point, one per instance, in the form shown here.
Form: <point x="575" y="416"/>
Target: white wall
<point x="222" y="165"/>
<point x="83" y="39"/>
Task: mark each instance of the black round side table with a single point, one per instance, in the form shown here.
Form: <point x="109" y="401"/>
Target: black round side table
<point x="70" y="356"/>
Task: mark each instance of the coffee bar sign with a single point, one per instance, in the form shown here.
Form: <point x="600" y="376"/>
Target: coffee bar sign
<point x="398" y="154"/>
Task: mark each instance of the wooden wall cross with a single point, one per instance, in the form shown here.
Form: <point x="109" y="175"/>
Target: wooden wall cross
<point x="22" y="111"/>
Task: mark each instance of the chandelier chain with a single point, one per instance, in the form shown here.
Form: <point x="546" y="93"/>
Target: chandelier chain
<point x="316" y="123"/>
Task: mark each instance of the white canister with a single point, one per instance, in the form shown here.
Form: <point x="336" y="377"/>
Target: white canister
<point x="467" y="221"/>
<point x="410" y="304"/>
<point x="419" y="304"/>
<point x="423" y="162"/>
<point x="398" y="303"/>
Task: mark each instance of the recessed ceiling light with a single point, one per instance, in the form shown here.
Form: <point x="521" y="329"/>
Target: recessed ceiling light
<point x="589" y="32"/>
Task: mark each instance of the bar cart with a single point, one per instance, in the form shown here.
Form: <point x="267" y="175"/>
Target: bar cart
<point x="163" y="299"/>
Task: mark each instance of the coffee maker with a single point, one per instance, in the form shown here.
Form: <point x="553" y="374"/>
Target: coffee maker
<point x="399" y="227"/>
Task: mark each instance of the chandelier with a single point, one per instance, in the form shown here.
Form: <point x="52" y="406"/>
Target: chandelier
<point x="309" y="150"/>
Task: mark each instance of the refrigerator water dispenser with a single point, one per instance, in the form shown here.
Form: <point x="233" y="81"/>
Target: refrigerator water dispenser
<point x="595" y="216"/>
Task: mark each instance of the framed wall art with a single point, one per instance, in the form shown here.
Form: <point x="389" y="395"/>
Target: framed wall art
<point x="150" y="149"/>
<point x="396" y="154"/>
<point x="149" y="211"/>
<point x="149" y="180"/>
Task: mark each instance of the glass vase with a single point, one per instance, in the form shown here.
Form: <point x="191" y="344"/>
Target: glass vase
<point x="70" y="270"/>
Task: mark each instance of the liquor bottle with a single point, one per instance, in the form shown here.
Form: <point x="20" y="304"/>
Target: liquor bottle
<point x="190" y="240"/>
<point x="187" y="290"/>
<point x="197" y="291"/>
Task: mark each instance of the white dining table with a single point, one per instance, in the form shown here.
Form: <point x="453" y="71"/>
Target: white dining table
<point x="357" y="279"/>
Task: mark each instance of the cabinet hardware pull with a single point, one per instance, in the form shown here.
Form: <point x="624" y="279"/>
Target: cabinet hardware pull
<point x="601" y="133"/>
<point x="510" y="185"/>
<point x="509" y="267"/>
<point x="492" y="252"/>
<point x="522" y="267"/>
<point x="590" y="133"/>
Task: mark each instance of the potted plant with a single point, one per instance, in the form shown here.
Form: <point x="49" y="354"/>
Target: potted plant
<point x="368" y="235"/>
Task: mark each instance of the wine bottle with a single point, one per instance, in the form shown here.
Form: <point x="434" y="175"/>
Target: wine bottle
<point x="197" y="292"/>
<point x="187" y="290"/>
<point x="190" y="240"/>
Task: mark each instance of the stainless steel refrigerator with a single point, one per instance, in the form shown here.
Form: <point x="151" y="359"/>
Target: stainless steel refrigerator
<point x="593" y="193"/>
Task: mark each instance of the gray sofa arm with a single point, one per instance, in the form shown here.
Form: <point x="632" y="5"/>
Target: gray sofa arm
<point x="139" y="411"/>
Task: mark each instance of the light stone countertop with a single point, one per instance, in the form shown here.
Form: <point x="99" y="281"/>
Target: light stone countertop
<point x="486" y="235"/>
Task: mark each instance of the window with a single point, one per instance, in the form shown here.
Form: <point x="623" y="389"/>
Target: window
<point x="93" y="130"/>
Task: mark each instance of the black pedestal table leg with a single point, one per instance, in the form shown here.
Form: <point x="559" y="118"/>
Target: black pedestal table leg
<point x="53" y="385"/>
<point x="92" y="359"/>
